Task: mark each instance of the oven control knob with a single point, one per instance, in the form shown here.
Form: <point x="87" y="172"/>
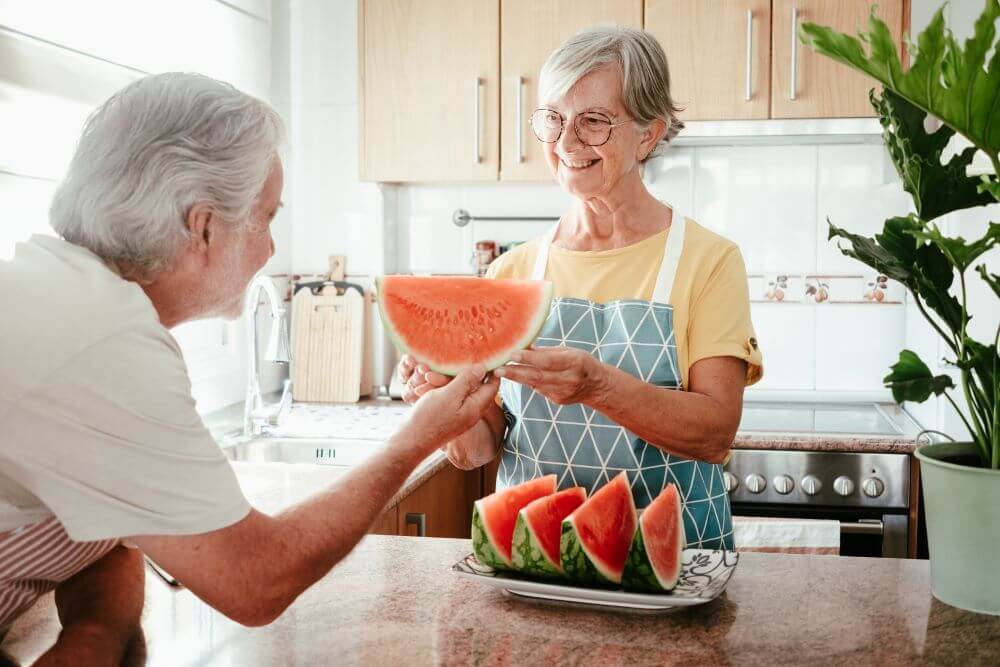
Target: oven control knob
<point x="755" y="483"/>
<point x="811" y="485"/>
<point x="731" y="481"/>
<point x="843" y="486"/>
<point x="873" y="487"/>
<point x="783" y="484"/>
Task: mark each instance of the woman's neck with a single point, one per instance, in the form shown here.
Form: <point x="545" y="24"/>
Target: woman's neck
<point x="625" y="215"/>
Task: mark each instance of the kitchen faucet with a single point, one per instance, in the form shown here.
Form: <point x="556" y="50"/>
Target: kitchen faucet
<point x="255" y="414"/>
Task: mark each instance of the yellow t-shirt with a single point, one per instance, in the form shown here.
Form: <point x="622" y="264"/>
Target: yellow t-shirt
<point x="710" y="296"/>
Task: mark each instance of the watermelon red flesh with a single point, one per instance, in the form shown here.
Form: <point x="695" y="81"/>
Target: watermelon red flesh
<point x="542" y="528"/>
<point x="450" y="323"/>
<point x="598" y="534"/>
<point x="655" y="558"/>
<point x="494" y="517"/>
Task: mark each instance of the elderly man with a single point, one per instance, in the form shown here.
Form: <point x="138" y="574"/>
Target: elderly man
<point x="165" y="217"/>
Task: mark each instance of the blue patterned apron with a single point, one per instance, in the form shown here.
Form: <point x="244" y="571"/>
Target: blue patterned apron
<point x="581" y="446"/>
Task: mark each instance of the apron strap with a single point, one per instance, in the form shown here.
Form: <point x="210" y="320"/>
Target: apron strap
<point x="542" y="258"/>
<point x="668" y="268"/>
<point x="671" y="258"/>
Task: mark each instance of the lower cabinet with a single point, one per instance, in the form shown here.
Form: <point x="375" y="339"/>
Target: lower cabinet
<point x="440" y="507"/>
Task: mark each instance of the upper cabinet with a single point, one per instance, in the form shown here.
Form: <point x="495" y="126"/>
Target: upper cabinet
<point x="429" y="80"/>
<point x="727" y="78"/>
<point x="532" y="30"/>
<point x="808" y="85"/>
<point x="755" y="66"/>
<point x="443" y="98"/>
<point x="447" y="86"/>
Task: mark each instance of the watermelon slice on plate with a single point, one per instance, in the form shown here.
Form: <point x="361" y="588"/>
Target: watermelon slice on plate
<point x="654" y="560"/>
<point x="451" y="322"/>
<point x="535" y="549"/>
<point x="494" y="516"/>
<point x="597" y="536"/>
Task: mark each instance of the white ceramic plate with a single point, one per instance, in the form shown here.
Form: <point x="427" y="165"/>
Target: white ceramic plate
<point x="704" y="576"/>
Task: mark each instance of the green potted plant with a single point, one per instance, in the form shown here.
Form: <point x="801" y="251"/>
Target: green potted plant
<point x="953" y="86"/>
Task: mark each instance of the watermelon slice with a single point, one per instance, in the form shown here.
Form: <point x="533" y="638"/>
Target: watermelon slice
<point x="493" y="519"/>
<point x="596" y="537"/>
<point x="450" y="323"/>
<point x="654" y="561"/>
<point x="538" y="529"/>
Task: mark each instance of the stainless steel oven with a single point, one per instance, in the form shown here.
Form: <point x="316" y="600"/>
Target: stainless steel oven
<point x="867" y="493"/>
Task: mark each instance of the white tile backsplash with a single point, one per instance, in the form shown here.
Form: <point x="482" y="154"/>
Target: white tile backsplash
<point x="764" y="199"/>
<point x="856" y="344"/>
<point x="786" y="333"/>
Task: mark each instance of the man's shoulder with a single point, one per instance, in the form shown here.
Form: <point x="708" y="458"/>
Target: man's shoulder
<point x="59" y="300"/>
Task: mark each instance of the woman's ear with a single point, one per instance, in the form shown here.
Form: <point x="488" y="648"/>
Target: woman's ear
<point x="651" y="137"/>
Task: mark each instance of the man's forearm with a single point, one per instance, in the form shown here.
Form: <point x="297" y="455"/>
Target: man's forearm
<point x="251" y="571"/>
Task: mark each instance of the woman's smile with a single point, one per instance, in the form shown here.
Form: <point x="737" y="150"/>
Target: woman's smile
<point x="577" y="164"/>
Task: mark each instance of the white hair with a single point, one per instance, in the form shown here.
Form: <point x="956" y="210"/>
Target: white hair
<point x="641" y="61"/>
<point x="153" y="150"/>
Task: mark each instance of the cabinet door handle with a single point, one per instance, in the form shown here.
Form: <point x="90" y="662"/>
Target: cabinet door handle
<point x="749" y="92"/>
<point x="795" y="52"/>
<point x="478" y="157"/>
<point x="418" y="519"/>
<point x="518" y="122"/>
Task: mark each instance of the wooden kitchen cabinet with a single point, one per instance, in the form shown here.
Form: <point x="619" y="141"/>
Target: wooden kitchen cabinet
<point x="387" y="523"/>
<point x="428" y="85"/>
<point x="823" y="88"/>
<point x="726" y="76"/>
<point x="444" y="502"/>
<point x="530" y="31"/>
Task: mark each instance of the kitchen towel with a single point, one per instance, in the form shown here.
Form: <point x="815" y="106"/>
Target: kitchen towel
<point x="787" y="536"/>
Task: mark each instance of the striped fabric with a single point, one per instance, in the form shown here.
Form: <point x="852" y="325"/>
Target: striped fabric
<point x="36" y="558"/>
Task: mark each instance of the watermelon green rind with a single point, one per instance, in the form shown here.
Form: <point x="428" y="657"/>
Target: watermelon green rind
<point x="528" y="556"/>
<point x="482" y="545"/>
<point x="576" y="564"/>
<point x="531" y="333"/>
<point x="639" y="573"/>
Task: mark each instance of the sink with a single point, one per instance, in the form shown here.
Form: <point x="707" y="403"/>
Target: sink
<point x="343" y="452"/>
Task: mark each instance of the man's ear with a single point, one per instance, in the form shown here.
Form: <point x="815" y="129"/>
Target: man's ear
<point x="200" y="226"/>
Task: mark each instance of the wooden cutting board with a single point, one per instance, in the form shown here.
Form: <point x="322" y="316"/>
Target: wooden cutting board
<point x="328" y="345"/>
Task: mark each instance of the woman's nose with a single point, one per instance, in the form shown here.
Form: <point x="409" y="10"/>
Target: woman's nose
<point x="568" y="141"/>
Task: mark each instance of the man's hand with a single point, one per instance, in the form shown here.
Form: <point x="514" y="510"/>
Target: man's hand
<point x="100" y="610"/>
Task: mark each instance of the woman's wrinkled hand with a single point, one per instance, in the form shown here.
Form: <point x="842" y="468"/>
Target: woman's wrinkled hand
<point x="446" y="412"/>
<point x="564" y="375"/>
<point x="418" y="379"/>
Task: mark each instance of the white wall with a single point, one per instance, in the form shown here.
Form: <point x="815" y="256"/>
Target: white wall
<point x="61" y="58"/>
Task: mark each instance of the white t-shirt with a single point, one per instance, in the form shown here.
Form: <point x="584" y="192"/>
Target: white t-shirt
<point x="97" y="423"/>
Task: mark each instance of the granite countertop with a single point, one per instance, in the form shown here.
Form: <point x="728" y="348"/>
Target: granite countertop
<point x="394" y="601"/>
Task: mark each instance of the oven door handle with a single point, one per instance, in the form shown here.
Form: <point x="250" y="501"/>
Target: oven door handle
<point x="862" y="527"/>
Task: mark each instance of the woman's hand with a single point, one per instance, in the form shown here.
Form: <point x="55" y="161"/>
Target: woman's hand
<point x="443" y="413"/>
<point x="563" y="375"/>
<point x="418" y="379"/>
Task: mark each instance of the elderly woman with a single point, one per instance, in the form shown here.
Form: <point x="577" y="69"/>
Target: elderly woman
<point x="647" y="300"/>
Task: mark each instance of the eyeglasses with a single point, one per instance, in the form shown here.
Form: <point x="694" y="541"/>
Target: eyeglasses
<point x="592" y="128"/>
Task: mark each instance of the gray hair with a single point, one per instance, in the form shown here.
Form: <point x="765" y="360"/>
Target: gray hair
<point x="153" y="150"/>
<point x="641" y="60"/>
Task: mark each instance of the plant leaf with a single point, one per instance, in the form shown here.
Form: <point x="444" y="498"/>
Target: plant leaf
<point x="991" y="279"/>
<point x="868" y="251"/>
<point x="936" y="188"/>
<point x="954" y="84"/>
<point x="991" y="186"/>
<point x="911" y="379"/>
<point x="959" y="252"/>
